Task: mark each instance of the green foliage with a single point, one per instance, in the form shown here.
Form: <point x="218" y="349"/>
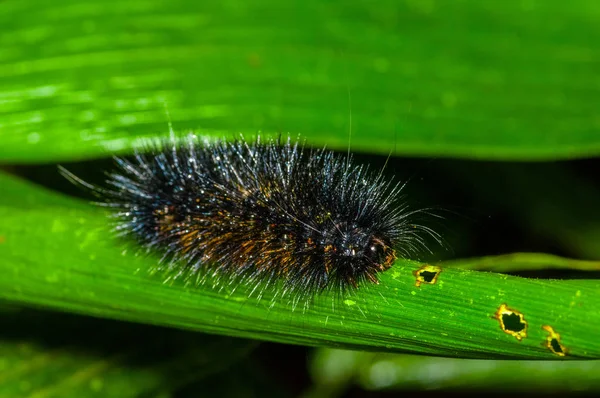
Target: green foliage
<point x="476" y="79"/>
<point x="464" y="79"/>
<point x="335" y="370"/>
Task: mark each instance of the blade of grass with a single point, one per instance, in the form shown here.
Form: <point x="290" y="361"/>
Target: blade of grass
<point x="522" y="262"/>
<point x="473" y="79"/>
<point x="338" y="370"/>
<point x="58" y="253"/>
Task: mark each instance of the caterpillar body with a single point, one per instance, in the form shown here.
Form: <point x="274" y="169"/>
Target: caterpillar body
<point x="262" y="213"/>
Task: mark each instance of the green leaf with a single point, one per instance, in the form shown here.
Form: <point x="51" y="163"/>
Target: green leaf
<point x="78" y="266"/>
<point x="508" y="80"/>
<point x="523" y="262"/>
<point x="472" y="79"/>
<point x="336" y="370"/>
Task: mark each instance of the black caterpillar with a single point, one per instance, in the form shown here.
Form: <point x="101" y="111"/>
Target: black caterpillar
<point x="262" y="213"/>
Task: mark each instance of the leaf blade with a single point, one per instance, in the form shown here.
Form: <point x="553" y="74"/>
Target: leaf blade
<point x="452" y="317"/>
<point x="77" y="90"/>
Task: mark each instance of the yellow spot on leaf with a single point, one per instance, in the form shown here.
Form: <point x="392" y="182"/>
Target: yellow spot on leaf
<point x="553" y="342"/>
<point x="427" y="274"/>
<point x="512" y="322"/>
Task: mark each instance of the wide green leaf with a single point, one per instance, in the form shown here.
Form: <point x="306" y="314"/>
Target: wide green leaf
<point x="470" y="79"/>
<point x="475" y="79"/>
<point x="416" y="308"/>
<point x="337" y="370"/>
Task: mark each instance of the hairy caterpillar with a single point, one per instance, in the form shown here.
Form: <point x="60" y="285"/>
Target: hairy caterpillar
<point x="262" y="213"/>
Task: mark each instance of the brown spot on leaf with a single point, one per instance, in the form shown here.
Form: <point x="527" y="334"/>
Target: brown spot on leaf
<point x="427" y="274"/>
<point x="553" y="342"/>
<point x="512" y="322"/>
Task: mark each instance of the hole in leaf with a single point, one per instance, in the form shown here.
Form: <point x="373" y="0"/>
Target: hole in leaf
<point x="553" y="342"/>
<point x="556" y="347"/>
<point x="512" y="322"/>
<point x="427" y="274"/>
